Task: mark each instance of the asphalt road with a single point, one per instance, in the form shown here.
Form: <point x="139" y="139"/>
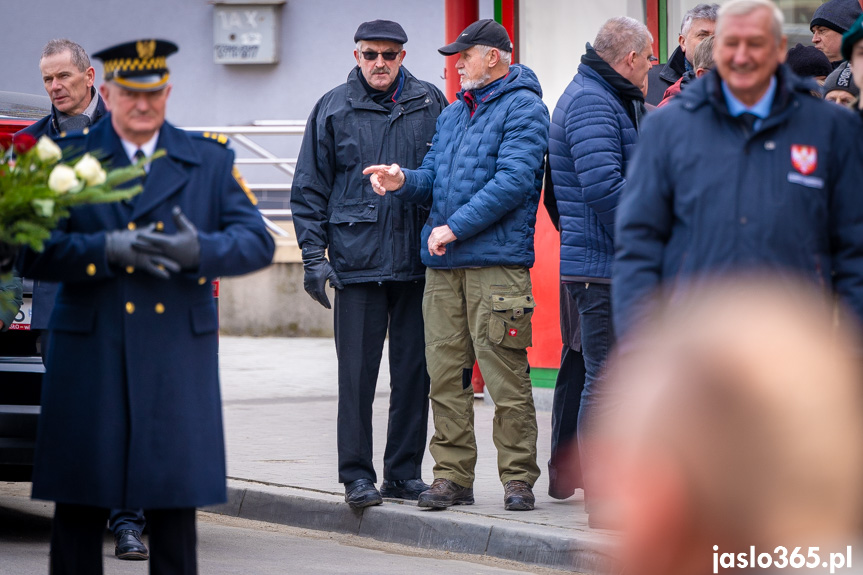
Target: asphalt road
<point x="236" y="546"/>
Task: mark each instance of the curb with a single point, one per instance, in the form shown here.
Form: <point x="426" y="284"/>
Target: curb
<point x="395" y="522"/>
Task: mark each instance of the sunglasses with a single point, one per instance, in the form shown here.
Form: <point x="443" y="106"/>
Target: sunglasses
<point x="388" y="56"/>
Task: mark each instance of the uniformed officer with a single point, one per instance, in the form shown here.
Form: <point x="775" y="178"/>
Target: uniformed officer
<point x="131" y="412"/>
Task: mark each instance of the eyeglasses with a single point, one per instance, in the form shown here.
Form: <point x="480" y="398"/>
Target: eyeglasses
<point x="388" y="56"/>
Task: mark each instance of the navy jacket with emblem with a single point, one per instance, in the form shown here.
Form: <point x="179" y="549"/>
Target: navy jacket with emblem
<point x="131" y="411"/>
<point x="44" y="292"/>
<point x="483" y="176"/>
<point x="370" y="238"/>
<point x="713" y="199"/>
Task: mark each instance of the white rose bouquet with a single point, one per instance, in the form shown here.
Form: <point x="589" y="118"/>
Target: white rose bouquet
<point x="37" y="189"/>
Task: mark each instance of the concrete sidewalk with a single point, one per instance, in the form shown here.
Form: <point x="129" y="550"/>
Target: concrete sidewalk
<point x="280" y="399"/>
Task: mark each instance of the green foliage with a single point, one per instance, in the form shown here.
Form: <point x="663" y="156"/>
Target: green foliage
<point x="30" y="208"/>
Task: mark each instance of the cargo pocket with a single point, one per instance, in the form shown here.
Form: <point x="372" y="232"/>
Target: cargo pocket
<point x="354" y="237"/>
<point x="509" y="322"/>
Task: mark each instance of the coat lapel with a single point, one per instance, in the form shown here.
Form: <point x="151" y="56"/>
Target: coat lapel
<point x="168" y="174"/>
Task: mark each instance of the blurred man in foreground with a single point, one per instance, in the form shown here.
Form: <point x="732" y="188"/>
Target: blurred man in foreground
<point x="728" y="460"/>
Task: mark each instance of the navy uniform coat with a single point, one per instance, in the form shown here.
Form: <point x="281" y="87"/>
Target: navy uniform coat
<point x="131" y="410"/>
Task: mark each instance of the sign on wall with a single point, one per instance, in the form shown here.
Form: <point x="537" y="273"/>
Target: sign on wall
<point x="246" y="33"/>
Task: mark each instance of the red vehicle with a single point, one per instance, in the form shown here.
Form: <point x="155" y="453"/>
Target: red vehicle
<point x="20" y="365"/>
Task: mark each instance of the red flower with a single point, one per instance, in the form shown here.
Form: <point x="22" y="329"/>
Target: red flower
<point x="22" y="143"/>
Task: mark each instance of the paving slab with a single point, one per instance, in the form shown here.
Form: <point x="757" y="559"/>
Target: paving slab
<point x="280" y="398"/>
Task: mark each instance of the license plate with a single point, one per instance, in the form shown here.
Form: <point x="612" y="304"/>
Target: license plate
<point x="25" y="314"/>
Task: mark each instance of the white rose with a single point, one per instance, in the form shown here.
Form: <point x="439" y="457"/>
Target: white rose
<point x="90" y="170"/>
<point x="62" y="179"/>
<point x="43" y="207"/>
<point x="47" y="150"/>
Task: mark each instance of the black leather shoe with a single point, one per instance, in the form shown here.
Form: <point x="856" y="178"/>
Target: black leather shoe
<point x="404" y="488"/>
<point x="128" y="545"/>
<point x="518" y="496"/>
<point x="444" y="493"/>
<point x="362" y="493"/>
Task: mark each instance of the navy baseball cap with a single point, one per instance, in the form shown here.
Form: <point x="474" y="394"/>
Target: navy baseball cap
<point x="483" y="33"/>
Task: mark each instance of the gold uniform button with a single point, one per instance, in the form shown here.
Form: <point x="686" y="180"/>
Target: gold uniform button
<point x="130" y="269"/>
<point x="131" y="225"/>
<point x="160" y="226"/>
<point x="91" y="269"/>
<point x="130" y="307"/>
<point x="202" y="280"/>
<point x="160" y="308"/>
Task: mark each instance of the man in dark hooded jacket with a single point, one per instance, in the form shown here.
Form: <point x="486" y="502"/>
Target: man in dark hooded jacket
<point x="698" y="24"/>
<point x="774" y="189"/>
<point x="381" y="114"/>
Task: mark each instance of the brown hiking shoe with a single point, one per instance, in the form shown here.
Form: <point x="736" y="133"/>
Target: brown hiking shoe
<point x="518" y="496"/>
<point x="444" y="493"/>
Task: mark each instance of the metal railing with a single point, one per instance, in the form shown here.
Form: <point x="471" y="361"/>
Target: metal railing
<point x="242" y="139"/>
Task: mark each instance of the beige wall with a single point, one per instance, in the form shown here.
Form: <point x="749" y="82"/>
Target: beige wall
<point x="553" y="33"/>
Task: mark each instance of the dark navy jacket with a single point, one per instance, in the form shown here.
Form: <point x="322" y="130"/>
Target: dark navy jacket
<point x="590" y="143"/>
<point x="483" y="176"/>
<point x="44" y="292"/>
<point x="370" y="238"/>
<point x="131" y="412"/>
<point x="703" y="197"/>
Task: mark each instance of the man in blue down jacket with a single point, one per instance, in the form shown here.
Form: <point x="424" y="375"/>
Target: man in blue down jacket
<point x="592" y="137"/>
<point x="483" y="176"/>
<point x="766" y="178"/>
<point x="131" y="411"/>
<point x="381" y="114"/>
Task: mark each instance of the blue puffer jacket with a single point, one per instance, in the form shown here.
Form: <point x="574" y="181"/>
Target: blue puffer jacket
<point x="483" y="176"/>
<point x="712" y="199"/>
<point x="590" y="142"/>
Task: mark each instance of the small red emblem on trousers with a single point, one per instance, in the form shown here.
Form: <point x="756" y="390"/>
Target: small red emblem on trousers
<point x="513" y="332"/>
<point x="804" y="158"/>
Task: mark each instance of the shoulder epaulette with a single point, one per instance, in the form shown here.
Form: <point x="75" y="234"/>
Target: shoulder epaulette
<point x="214" y="136"/>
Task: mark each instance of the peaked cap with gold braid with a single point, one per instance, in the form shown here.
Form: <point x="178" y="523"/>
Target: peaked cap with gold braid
<point x="139" y="66"/>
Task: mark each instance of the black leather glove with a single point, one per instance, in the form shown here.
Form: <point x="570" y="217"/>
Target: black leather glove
<point x="119" y="247"/>
<point x="183" y="247"/>
<point x="317" y="271"/>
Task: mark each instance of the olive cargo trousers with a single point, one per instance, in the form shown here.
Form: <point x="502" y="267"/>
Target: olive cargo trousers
<point x="482" y="314"/>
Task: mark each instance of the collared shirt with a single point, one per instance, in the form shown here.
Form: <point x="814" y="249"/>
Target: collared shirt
<point x="761" y="108"/>
<point x="148" y="148"/>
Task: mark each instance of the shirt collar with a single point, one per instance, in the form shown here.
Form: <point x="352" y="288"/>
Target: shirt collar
<point x="148" y="148"/>
<point x="761" y="108"/>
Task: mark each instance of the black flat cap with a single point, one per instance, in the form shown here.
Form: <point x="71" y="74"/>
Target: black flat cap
<point x="482" y="32"/>
<point x="381" y="30"/>
<point x="140" y="66"/>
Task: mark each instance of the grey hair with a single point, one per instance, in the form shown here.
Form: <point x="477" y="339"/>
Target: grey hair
<point x="619" y="36"/>
<point x="702" y="56"/>
<point x="505" y="57"/>
<point x="700" y="12"/>
<point x="360" y="45"/>
<point x="58" y="46"/>
<point x="744" y="7"/>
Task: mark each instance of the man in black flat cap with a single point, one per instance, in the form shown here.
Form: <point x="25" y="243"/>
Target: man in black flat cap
<point x="131" y="412"/>
<point x="381" y="114"/>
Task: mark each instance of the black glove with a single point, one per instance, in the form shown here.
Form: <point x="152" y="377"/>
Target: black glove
<point x="317" y="271"/>
<point x="182" y="247"/>
<point x="119" y="247"/>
